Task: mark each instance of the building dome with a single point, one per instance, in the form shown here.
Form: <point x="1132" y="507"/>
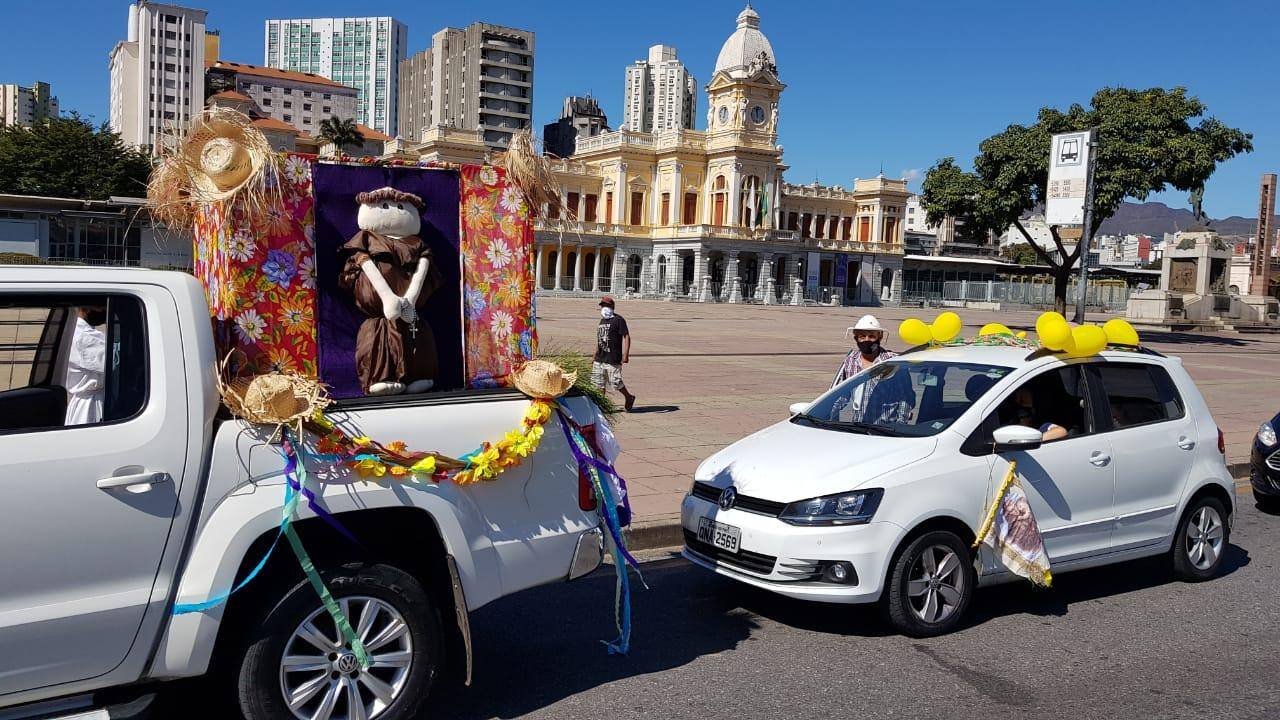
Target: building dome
<point x="746" y="46"/>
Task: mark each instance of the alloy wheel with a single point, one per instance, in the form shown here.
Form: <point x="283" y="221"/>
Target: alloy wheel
<point x="936" y="584"/>
<point x="320" y="677"/>
<point x="1204" y="538"/>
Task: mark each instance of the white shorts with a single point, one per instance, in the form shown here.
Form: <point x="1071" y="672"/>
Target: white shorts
<point x="600" y="372"/>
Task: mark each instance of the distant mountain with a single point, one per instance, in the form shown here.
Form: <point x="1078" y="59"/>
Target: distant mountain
<point x="1156" y="218"/>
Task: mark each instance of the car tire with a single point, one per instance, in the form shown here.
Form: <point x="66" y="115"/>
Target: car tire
<point x="1201" y="540"/>
<point x="1267" y="503"/>
<point x="927" y="595"/>
<point x="392" y="596"/>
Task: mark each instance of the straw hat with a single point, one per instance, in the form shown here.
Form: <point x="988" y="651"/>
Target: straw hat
<point x="543" y="380"/>
<point x="224" y="152"/>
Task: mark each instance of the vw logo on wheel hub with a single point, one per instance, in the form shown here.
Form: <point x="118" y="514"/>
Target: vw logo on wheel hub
<point x="347" y="663"/>
<point x="728" y="497"/>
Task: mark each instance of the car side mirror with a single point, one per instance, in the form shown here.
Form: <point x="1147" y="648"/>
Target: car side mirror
<point x="799" y="408"/>
<point x="1017" y="437"/>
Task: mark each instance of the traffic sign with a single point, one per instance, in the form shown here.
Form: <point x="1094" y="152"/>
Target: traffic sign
<point x="1069" y="162"/>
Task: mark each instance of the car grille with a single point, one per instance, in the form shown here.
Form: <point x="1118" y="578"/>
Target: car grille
<point x="711" y="493"/>
<point x="743" y="559"/>
<point x="801" y="570"/>
<point x="1273" y="460"/>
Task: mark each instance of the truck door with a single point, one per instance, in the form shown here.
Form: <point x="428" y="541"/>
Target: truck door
<point x="93" y="447"/>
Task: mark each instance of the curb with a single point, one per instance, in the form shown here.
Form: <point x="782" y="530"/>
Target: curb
<point x="647" y="535"/>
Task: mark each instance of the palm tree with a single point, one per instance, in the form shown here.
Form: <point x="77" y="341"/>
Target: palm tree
<point x="342" y="133"/>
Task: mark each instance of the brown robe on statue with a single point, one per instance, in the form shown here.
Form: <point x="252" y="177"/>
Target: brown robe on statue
<point x="388" y="350"/>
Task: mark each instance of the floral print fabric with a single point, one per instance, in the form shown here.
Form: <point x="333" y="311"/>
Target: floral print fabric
<point x="259" y="275"/>
<point x="497" y="276"/>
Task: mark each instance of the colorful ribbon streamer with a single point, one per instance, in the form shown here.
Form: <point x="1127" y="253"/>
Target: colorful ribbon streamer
<point x="293" y="461"/>
<point x="581" y="450"/>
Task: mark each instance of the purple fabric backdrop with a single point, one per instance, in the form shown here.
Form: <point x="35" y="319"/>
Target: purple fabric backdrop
<point x="336" y="187"/>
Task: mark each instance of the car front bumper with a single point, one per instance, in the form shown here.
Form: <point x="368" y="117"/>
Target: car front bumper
<point x="1264" y="470"/>
<point x="774" y="555"/>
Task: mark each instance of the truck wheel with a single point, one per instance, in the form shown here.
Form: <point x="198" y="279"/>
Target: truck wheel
<point x="930" y="585"/>
<point x="298" y="666"/>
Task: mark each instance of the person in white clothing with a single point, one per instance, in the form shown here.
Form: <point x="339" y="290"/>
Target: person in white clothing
<point x="86" y="368"/>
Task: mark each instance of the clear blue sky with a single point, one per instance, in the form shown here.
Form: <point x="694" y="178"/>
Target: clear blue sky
<point x="870" y="83"/>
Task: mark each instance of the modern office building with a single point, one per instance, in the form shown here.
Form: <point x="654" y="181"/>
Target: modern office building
<point x="299" y="99"/>
<point x="581" y="117"/>
<point x="27" y="105"/>
<point x="660" y="94"/>
<point x="477" y="78"/>
<point x="157" y="73"/>
<point x="364" y="53"/>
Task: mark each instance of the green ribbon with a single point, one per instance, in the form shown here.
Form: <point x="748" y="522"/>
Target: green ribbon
<point x="331" y="605"/>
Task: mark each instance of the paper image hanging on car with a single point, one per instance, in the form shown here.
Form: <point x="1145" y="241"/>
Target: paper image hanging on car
<point x="906" y="398"/>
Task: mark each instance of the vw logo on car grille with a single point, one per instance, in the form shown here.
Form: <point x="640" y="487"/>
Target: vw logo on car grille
<point x="728" y="497"/>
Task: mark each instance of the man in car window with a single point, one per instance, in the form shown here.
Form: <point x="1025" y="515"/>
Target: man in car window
<point x="86" y="367"/>
<point x="868" y="351"/>
<point x="1024" y="406"/>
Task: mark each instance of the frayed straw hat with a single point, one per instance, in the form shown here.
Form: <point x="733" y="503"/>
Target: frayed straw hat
<point x="543" y="380"/>
<point x="222" y="156"/>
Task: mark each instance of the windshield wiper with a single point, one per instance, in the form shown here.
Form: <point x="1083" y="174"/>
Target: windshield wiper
<point x="856" y="427"/>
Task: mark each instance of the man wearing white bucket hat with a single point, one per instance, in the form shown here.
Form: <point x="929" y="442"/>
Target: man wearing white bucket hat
<point x="868" y="334"/>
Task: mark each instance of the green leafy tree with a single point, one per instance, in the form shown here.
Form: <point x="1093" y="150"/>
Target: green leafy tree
<point x="68" y="157"/>
<point x="342" y="133"/>
<point x="1148" y="141"/>
<point x="1020" y="253"/>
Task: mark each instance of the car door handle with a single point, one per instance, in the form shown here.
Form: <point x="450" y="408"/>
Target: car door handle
<point x="1186" y="443"/>
<point x="143" y="478"/>
<point x="1099" y="458"/>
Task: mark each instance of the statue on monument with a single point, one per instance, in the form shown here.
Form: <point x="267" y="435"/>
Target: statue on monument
<point x="1197" y="209"/>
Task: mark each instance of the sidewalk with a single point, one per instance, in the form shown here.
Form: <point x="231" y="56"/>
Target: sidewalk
<point x="707" y="375"/>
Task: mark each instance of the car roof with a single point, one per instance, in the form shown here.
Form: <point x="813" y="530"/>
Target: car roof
<point x="1007" y="356"/>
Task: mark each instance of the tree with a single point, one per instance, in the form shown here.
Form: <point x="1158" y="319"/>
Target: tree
<point x="1146" y="143"/>
<point x="68" y="157"/>
<point x="342" y="133"/>
<point x="1020" y="253"/>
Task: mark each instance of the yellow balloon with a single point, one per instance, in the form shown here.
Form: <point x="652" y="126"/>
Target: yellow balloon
<point x="946" y="326"/>
<point x="914" y="332"/>
<point x="1120" y="332"/>
<point x="994" y="329"/>
<point x="1053" y="330"/>
<point x="1088" y="340"/>
<point x="1022" y="334"/>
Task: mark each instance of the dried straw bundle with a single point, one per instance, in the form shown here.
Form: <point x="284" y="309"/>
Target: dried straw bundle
<point x="222" y="158"/>
<point x="531" y="172"/>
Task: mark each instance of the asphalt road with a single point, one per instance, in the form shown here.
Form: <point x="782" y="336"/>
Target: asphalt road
<point x="1117" y="642"/>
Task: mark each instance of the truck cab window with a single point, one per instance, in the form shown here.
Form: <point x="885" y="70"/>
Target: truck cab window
<point x="70" y="360"/>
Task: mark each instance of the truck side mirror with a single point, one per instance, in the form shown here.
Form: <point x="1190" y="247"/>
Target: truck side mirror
<point x="799" y="408"/>
<point x="1017" y="437"/>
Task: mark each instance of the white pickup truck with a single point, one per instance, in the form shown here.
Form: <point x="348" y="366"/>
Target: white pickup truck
<point x="158" y="498"/>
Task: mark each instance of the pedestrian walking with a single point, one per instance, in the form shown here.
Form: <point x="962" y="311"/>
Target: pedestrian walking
<point x="613" y="350"/>
<point x="867" y="334"/>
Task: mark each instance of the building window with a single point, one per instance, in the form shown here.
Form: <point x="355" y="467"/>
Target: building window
<point x="608" y="207"/>
<point x="288" y="104"/>
<point x="666" y="208"/>
<point x="864" y="229"/>
<point x="690" y="209"/>
<point x="820" y="227"/>
<point x="326" y="110"/>
<point x="592" y="201"/>
<point x="572" y="203"/>
<point x="306" y="106"/>
<point x="637" y="208"/>
<point x="266" y="102"/>
<point x="288" y="118"/>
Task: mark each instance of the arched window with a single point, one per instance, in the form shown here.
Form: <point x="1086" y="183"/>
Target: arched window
<point x="662" y="273"/>
<point x="886" y="285"/>
<point x="634" y="266"/>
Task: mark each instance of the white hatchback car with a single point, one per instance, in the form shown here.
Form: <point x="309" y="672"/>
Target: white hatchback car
<point x="875" y="491"/>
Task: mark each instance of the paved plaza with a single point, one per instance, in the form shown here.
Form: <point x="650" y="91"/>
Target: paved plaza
<point x="709" y="374"/>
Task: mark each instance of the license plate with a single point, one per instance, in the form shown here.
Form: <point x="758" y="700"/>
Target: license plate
<point x="725" y="537"/>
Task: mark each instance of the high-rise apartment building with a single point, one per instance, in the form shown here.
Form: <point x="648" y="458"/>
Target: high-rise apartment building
<point x="157" y="73"/>
<point x="27" y="105"/>
<point x="581" y="117"/>
<point x="479" y="78"/>
<point x="363" y="53"/>
<point x="660" y="95"/>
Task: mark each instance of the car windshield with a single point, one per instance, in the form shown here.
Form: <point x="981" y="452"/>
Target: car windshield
<point x="903" y="398"/>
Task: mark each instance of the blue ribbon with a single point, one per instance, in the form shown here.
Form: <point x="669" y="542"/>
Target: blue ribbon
<point x="617" y="546"/>
<point x="293" y="466"/>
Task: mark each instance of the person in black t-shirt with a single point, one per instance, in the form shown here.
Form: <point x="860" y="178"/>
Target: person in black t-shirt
<point x="613" y="348"/>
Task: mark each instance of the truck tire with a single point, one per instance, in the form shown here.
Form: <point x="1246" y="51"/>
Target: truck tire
<point x="296" y="666"/>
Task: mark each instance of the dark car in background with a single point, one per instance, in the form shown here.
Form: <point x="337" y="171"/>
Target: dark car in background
<point x="1264" y="466"/>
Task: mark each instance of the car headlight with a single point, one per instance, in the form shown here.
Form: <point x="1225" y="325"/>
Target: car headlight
<point x="1267" y="434"/>
<point x="850" y="508"/>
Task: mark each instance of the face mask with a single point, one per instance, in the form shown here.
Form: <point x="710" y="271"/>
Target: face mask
<point x="606" y="312"/>
<point x="869" y="347"/>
